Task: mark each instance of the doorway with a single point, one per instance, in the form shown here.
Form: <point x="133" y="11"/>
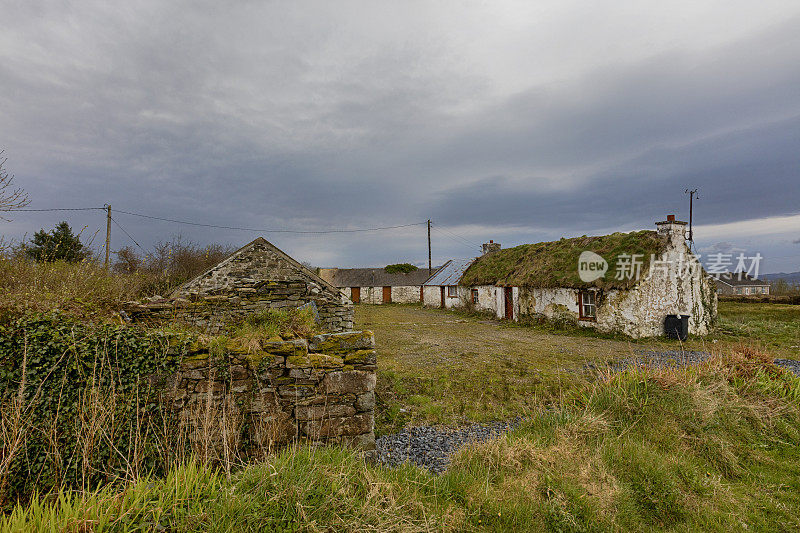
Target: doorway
<point x="509" y="298"/>
<point x="387" y="295"/>
<point x="355" y="295"/>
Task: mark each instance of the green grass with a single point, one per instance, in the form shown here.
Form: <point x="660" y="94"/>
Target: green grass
<point x="449" y="367"/>
<point x="554" y="264"/>
<point x="710" y="449"/>
<point x="775" y="327"/>
<point x="278" y="323"/>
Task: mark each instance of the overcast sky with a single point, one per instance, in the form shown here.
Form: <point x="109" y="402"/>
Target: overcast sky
<point x="515" y="121"/>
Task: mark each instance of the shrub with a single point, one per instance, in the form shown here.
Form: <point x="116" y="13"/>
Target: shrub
<point x="59" y="244"/>
<point x="400" y="268"/>
<point x="171" y="263"/>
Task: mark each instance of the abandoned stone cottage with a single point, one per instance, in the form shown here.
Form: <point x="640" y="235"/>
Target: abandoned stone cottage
<point x="640" y="279"/>
<point x="376" y="286"/>
<point x="256" y="277"/>
<point x="319" y="389"/>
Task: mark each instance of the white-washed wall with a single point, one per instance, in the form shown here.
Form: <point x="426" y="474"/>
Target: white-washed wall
<point x="432" y="296"/>
<point x="640" y="312"/>
<point x="408" y="294"/>
<point x="374" y="295"/>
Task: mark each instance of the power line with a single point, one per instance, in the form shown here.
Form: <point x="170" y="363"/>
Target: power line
<point x="462" y="239"/>
<point x="128" y="234"/>
<point x="455" y="238"/>
<point x="260" y="230"/>
<point x="57" y="209"/>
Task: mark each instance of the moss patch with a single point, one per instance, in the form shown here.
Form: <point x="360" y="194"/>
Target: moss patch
<point x="555" y="264"/>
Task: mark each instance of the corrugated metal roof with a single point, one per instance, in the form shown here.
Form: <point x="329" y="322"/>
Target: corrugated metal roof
<point x="450" y="273"/>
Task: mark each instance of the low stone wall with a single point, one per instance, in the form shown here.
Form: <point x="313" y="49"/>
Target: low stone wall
<point x="214" y="314"/>
<point x="320" y="390"/>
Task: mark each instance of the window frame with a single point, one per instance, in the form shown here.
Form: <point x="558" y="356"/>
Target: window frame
<point x="593" y="304"/>
<point x="474" y="293"/>
<point x="452" y="291"/>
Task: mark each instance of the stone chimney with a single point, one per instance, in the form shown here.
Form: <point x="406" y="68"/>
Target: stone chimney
<point x="491" y="246"/>
<point x="675" y="229"/>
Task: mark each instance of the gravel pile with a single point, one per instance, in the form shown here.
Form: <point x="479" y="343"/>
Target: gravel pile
<point x="680" y="359"/>
<point x="431" y="447"/>
<point x="662" y="359"/>
<point x="789" y="364"/>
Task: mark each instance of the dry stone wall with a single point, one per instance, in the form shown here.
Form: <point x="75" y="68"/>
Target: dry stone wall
<point x="257" y="277"/>
<point x="320" y="390"/>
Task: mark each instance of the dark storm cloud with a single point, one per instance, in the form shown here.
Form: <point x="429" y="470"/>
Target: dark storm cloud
<point x="746" y="174"/>
<point x="302" y="120"/>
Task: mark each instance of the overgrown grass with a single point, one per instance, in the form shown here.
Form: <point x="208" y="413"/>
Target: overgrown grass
<point x="84" y="288"/>
<point x="274" y="325"/>
<point x="713" y="448"/>
<point x="553" y="264"/>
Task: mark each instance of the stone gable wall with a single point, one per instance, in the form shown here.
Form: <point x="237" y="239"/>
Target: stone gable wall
<point x="256" y="278"/>
<point x="318" y="390"/>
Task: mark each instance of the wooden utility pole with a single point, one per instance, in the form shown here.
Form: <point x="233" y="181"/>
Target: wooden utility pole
<point x="108" y="233"/>
<point x="430" y="266"/>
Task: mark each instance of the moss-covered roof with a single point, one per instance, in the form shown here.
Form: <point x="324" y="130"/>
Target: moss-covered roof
<point x="555" y="264"/>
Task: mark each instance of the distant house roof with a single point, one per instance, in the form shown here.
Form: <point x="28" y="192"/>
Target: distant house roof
<point x="555" y="264"/>
<point x="450" y="273"/>
<point x="373" y="277"/>
<point x="740" y="279"/>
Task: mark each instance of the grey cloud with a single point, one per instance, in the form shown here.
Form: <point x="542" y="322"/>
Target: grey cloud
<point x="198" y="115"/>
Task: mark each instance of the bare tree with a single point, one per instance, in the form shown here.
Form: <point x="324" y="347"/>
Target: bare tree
<point x="11" y="197"/>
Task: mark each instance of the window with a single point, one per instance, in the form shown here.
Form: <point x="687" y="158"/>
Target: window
<point x="474" y="296"/>
<point x="452" y="291"/>
<point x="587" y="305"/>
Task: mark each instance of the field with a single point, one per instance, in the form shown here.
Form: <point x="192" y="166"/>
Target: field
<point x="712" y="448"/>
<point x="448" y="367"/>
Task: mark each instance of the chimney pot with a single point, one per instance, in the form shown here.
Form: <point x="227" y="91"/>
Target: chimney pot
<point x="670" y="218"/>
<point x="490" y="246"/>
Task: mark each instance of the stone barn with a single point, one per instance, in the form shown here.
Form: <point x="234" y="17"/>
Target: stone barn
<point x="376" y="286"/>
<point x="256" y="277"/>
<point x="624" y="282"/>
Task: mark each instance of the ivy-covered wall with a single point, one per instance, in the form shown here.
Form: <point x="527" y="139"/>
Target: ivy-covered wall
<point x="87" y="404"/>
<point x="71" y="392"/>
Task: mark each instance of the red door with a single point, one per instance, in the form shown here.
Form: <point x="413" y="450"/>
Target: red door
<point x="509" y="293"/>
<point x="387" y="295"/>
<point x="422" y="295"/>
<point x="355" y="295"/>
<point x="442" y="303"/>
